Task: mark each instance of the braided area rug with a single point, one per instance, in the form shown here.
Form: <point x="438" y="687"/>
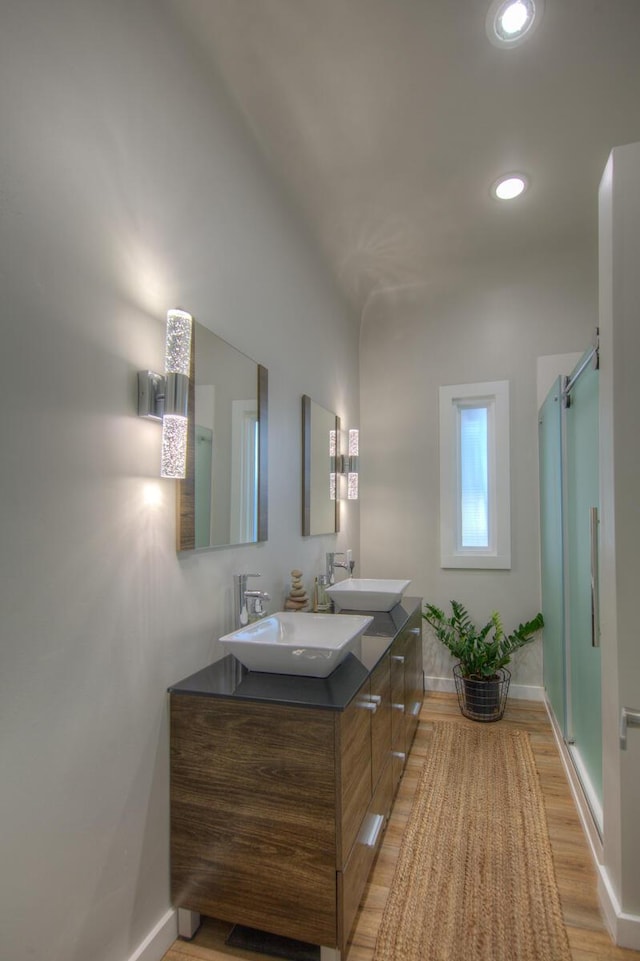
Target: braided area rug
<point x="474" y="879"/>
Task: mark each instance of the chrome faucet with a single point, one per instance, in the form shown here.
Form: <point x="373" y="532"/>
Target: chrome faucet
<point x="249" y="604"/>
<point x="346" y="564"/>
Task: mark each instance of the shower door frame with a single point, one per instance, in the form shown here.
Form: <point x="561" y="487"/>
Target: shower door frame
<point x="559" y="696"/>
<point x="589" y="360"/>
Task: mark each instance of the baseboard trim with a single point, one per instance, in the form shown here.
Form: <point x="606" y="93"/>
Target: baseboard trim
<point x="159" y="940"/>
<point x="523" y="692"/>
<point x="624" y="928"/>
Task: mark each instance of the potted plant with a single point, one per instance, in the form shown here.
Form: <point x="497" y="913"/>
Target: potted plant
<point x="481" y="675"/>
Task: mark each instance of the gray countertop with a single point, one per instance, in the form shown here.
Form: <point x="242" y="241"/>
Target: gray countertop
<point x="227" y="678"/>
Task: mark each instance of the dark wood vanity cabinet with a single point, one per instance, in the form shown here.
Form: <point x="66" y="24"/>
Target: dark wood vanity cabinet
<point x="254" y="802"/>
<point x="277" y="810"/>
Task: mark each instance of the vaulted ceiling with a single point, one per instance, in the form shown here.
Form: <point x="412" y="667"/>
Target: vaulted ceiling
<point x="388" y="121"/>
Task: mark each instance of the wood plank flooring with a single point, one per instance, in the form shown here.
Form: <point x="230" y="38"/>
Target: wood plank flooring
<point x="575" y="871"/>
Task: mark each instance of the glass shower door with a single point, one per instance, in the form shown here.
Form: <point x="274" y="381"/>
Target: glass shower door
<point x="584" y="716"/>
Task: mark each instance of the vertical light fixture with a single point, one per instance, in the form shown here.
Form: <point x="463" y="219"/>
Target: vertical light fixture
<point x="177" y="366"/>
<point x="352" y="464"/>
<point x="347" y="465"/>
<point x="332" y="465"/>
<point x="166" y="397"/>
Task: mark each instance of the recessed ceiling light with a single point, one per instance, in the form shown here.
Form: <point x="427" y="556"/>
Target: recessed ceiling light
<point x="509" y="22"/>
<point x="509" y="187"/>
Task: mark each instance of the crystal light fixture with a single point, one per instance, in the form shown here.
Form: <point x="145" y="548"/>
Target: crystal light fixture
<point x="177" y="365"/>
<point x="332" y="463"/>
<point x="347" y="465"/>
<point x="352" y="472"/>
<point x="165" y="397"/>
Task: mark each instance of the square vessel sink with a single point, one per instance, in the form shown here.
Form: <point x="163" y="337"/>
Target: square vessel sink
<point x="367" y="594"/>
<point x="292" y="642"/>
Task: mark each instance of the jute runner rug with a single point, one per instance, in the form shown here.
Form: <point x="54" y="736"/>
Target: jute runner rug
<point x="474" y="879"/>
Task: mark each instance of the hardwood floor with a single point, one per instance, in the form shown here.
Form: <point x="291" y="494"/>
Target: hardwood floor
<point x="575" y="872"/>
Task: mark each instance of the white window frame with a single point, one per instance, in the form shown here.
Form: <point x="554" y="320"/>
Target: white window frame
<point x="493" y="395"/>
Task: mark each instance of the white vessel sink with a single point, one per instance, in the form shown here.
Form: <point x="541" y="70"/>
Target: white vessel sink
<point x="366" y="594"/>
<point x="291" y="642"/>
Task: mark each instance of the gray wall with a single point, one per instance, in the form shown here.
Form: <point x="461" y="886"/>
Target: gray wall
<point x="482" y="322"/>
<point x="127" y="186"/>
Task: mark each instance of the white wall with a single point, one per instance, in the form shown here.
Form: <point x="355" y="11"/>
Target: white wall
<point x="127" y="187"/>
<point x="619" y="535"/>
<point x="485" y="322"/>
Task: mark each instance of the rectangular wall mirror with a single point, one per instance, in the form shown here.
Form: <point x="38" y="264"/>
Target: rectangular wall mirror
<point x="223" y="499"/>
<point x="320" y="437"/>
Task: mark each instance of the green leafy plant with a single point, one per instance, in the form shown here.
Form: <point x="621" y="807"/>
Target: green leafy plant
<point x="481" y="651"/>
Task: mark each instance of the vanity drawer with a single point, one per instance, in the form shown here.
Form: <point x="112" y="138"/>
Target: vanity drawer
<point x="352" y="881"/>
<point x="380" y="719"/>
<point x="353" y="744"/>
<point x="397" y="662"/>
<point x="414" y="682"/>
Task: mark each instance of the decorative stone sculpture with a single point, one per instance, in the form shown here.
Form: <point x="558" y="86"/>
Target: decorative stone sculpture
<point x="297" y="599"/>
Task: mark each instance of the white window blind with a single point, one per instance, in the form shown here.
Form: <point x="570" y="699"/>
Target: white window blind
<point x="474" y="476"/>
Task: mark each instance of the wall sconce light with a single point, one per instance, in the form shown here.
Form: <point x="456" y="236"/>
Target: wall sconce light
<point x="333" y="449"/>
<point x="165" y="396"/>
<point x="347" y="464"/>
<point x="352" y="464"/>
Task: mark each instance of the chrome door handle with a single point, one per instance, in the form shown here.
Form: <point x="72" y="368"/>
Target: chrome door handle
<point x="595" y="587"/>
<point x="627" y="716"/>
<point x="398" y="658"/>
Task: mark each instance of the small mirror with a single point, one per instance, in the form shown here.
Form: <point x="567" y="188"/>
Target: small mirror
<point x="223" y="498"/>
<point x="320" y="436"/>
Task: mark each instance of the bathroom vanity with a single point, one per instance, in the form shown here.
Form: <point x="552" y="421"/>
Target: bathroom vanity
<point x="281" y="785"/>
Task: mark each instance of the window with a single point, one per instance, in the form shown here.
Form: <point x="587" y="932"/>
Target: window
<point x="474" y="476"/>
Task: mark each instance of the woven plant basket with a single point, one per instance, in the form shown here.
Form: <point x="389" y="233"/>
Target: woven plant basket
<point x="480" y="698"/>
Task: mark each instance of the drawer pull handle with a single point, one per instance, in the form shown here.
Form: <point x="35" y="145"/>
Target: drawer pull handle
<point x="398" y="707"/>
<point x="375" y="698"/>
<point x="399" y="658"/>
<point x="371" y="830"/>
<point x="416" y="631"/>
<point x="368" y="706"/>
<point x="400" y="755"/>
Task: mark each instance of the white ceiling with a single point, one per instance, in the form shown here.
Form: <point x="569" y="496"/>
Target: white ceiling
<point x="388" y="121"/>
